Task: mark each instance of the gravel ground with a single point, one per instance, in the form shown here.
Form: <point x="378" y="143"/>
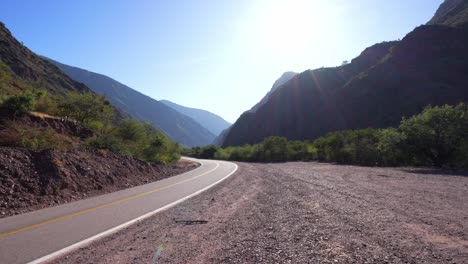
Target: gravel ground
<point x="304" y="213"/>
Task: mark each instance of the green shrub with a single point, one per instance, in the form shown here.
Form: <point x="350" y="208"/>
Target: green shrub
<point x="108" y="142"/>
<point x="435" y="136"/>
<point x="21" y="104"/>
<point x="85" y="107"/>
<point x="138" y="140"/>
<point x="391" y="148"/>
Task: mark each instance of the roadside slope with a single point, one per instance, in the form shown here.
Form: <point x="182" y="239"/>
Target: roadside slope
<point x="33" y="180"/>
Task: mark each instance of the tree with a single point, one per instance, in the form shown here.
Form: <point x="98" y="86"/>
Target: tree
<point x="131" y="130"/>
<point x="85" y="107"/>
<point x="390" y="147"/>
<point x="23" y="103"/>
<point x="435" y="135"/>
<point x="274" y="149"/>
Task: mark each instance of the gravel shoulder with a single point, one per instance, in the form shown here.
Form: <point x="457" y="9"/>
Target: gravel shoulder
<point x="303" y="213"/>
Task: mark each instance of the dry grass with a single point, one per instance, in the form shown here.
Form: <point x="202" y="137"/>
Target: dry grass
<point x="14" y="134"/>
<point x="43" y="115"/>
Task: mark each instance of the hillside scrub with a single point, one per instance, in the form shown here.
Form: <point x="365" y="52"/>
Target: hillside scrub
<point x="272" y="149"/>
<point x="127" y="137"/>
<point x="437" y="137"/>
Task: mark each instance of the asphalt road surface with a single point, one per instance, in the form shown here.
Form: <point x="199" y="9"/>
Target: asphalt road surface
<point x="40" y="235"/>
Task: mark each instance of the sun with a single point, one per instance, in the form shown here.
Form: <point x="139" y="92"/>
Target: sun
<point x="289" y="26"/>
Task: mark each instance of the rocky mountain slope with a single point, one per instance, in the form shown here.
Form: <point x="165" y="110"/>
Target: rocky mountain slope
<point x="282" y="80"/>
<point x="214" y="123"/>
<point x="22" y="69"/>
<point x="451" y="13"/>
<point x="386" y="82"/>
<point x="175" y="125"/>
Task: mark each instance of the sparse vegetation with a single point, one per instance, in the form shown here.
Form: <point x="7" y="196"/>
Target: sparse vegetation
<point x="139" y="140"/>
<point x="127" y="137"/>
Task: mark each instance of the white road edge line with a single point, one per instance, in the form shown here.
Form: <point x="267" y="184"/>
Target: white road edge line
<point x="117" y="228"/>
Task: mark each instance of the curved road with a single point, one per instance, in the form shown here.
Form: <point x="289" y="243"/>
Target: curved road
<point x="40" y="235"/>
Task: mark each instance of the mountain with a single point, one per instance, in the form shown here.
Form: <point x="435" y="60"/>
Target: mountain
<point x="282" y="80"/>
<point x="218" y="141"/>
<point x="285" y="77"/>
<point x="386" y="82"/>
<point x="451" y="13"/>
<point x="214" y="123"/>
<point x="22" y="69"/>
<point x="175" y="125"/>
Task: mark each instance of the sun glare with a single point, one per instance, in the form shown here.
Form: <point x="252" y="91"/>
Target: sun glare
<point x="289" y="26"/>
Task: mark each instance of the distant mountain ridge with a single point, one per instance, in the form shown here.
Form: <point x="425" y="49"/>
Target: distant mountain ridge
<point x="386" y="82"/>
<point x="175" y="125"/>
<point x="214" y="123"/>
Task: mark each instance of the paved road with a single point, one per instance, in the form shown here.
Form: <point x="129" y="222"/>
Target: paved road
<point x="36" y="236"/>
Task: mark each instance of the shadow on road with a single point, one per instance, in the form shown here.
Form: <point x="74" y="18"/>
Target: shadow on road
<point x="437" y="172"/>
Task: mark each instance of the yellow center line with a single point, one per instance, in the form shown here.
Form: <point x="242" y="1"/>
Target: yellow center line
<point x="53" y="220"/>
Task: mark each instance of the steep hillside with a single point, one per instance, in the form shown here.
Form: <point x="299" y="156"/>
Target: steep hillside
<point x="386" y="82"/>
<point x="214" y="123"/>
<point x="285" y="77"/>
<point x="177" y="126"/>
<point x="451" y="13"/>
<point x="282" y="80"/>
<point x="22" y="69"/>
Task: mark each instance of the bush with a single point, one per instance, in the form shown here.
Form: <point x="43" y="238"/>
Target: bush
<point x="274" y="149"/>
<point x="391" y="148"/>
<point x="21" y="104"/>
<point x="85" y="108"/>
<point x="436" y="136"/>
<point x="138" y="140"/>
<point x="108" y="142"/>
<point x="349" y="147"/>
<point x="16" y="135"/>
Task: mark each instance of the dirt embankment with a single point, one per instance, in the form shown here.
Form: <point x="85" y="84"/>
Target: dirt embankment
<point x="304" y="213"/>
<point x="32" y="180"/>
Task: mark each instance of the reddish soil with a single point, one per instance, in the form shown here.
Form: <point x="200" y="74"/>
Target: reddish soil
<point x="304" y="213"/>
<point x="32" y="180"/>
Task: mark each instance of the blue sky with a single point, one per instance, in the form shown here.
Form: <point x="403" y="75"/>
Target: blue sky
<point x="218" y="55"/>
